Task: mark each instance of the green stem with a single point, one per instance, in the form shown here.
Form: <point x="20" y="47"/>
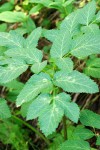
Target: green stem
<point x="32" y="128"/>
<point x="65" y="128"/>
<point x="66" y="13"/>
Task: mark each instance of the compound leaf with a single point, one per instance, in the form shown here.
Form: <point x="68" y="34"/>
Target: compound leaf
<point x="49" y="114"/>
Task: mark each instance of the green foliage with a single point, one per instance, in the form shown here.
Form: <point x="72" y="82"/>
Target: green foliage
<point x="71" y="24"/>
<point x="38" y="66"/>
<point x="80" y="132"/>
<point x="56" y="142"/>
<point x="33" y="38"/>
<point x="38" y="106"/>
<point x="14" y="68"/>
<point x="6" y="7"/>
<point x="64" y="64"/>
<point x="51" y="34"/>
<point x="51" y="109"/>
<point x="45" y="94"/>
<point x="90" y="45"/>
<point x="87" y="13"/>
<point x="89" y="118"/>
<point x="4" y="109"/>
<point x="98" y="17"/>
<point x="11" y="133"/>
<point x="60" y="5"/>
<point x="93" y="67"/>
<point x="9" y="16"/>
<point x="12" y="39"/>
<point x="3" y="27"/>
<point x="50" y="118"/>
<point x="35" y="85"/>
<point x="75" y="144"/>
<point x="75" y="82"/>
<point x="14" y="88"/>
<point x="61" y="44"/>
<point x="98" y="141"/>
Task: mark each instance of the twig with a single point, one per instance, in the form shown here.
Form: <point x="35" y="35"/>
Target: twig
<point x="54" y="15"/>
<point x="75" y="97"/>
<point x="87" y="101"/>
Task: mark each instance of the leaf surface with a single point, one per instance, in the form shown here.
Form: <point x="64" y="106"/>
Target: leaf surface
<point x="4" y="109"/>
<point x="11" y="39"/>
<point x="98" y="16"/>
<point x="37" y="106"/>
<point x="38" y="67"/>
<point x="91" y="28"/>
<point x="32" y="40"/>
<point x="61" y="44"/>
<point x="82" y="133"/>
<point x="65" y="64"/>
<point x="93" y="67"/>
<point x="71" y="24"/>
<point x="50" y="118"/>
<point x="75" y="145"/>
<point x="98" y="141"/>
<point x="32" y="55"/>
<point x="11" y="17"/>
<point x="75" y="82"/>
<point x="89" y="118"/>
<point x="51" y="34"/>
<point x="35" y="85"/>
<point x="87" y="13"/>
<point x="12" y="71"/>
<point x="71" y="110"/>
<point x="90" y="45"/>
